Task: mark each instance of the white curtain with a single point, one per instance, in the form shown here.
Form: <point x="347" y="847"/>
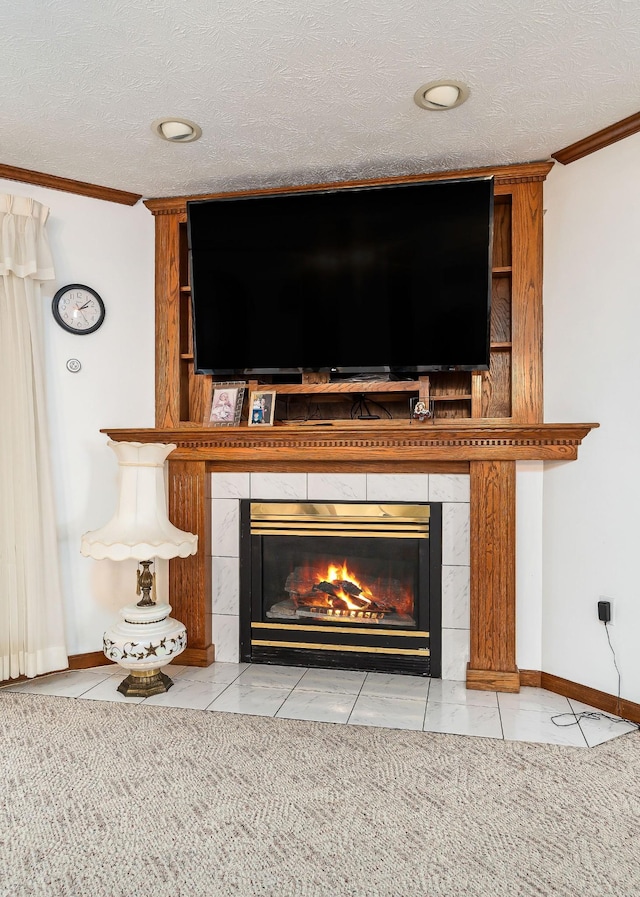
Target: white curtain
<point x="31" y="612"/>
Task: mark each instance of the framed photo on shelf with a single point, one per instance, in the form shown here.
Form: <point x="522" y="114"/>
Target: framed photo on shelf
<point x="421" y="410"/>
<point x="226" y="404"/>
<point x="261" y="408"/>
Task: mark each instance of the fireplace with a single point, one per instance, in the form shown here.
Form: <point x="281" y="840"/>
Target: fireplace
<point x="349" y="585"/>
<point x="356" y="459"/>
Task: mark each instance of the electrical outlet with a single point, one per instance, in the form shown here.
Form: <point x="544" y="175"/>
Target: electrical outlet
<point x="604" y="610"/>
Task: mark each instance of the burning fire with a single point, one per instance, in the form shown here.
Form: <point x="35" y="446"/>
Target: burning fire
<point x="359" y="599"/>
<point x="329" y="588"/>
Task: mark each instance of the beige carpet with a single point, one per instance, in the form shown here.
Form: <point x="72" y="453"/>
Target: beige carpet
<point x="110" y="800"/>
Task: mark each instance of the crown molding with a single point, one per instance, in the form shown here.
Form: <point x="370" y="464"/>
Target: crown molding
<point x="599" y="140"/>
<point x="67" y="185"/>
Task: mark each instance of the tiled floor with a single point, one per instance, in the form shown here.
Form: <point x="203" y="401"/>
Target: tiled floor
<point x="354" y="698"/>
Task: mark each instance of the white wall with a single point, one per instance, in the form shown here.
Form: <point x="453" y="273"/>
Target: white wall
<point x="109" y="247"/>
<point x="591" y="532"/>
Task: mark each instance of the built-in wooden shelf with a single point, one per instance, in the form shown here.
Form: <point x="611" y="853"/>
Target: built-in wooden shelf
<point x="347" y="386"/>
<point x="510" y="389"/>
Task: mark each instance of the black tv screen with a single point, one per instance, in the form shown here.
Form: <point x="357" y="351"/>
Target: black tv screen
<point x="392" y="279"/>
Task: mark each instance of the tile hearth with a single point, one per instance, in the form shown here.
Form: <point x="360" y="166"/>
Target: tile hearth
<point x="346" y="697"/>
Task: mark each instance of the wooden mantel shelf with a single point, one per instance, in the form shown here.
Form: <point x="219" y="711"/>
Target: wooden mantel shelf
<point x="366" y="441"/>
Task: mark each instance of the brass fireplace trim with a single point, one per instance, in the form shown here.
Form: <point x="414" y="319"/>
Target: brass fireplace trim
<point x="371" y="519"/>
<point x="384" y="531"/>
<point x="349" y="510"/>
<point x="367" y="630"/>
<point x="422" y="652"/>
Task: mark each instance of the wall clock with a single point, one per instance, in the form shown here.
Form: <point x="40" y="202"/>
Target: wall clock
<point x="78" y="309"/>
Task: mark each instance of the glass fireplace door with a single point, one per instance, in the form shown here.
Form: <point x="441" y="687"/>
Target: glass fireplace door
<point x="349" y="585"/>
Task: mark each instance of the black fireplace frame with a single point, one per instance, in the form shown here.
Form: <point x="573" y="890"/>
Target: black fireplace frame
<point x="426" y="639"/>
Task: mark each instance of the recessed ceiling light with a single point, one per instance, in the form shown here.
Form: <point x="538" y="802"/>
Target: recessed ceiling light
<point x="440" y="95"/>
<point x="176" y="130"/>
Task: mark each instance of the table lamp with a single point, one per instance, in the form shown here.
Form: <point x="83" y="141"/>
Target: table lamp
<point x="147" y="637"/>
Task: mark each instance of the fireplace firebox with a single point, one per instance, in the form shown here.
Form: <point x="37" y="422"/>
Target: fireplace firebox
<point x="348" y="585"/>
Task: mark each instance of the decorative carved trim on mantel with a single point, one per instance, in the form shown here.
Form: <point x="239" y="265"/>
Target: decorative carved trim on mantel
<point x="343" y="442"/>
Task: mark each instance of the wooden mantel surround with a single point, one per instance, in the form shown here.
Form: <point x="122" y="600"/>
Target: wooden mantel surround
<point x="483" y="422"/>
<point x="487" y="451"/>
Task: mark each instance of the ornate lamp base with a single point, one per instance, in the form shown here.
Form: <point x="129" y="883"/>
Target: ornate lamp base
<point x="145" y="640"/>
<point x="142" y="684"/>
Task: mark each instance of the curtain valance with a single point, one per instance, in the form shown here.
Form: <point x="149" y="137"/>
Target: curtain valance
<point x="24" y="245"/>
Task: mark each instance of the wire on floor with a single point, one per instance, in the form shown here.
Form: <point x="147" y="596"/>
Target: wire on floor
<point x="597" y="714"/>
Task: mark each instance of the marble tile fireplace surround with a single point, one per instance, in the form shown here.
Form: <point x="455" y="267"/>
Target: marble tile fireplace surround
<point x="452" y="490"/>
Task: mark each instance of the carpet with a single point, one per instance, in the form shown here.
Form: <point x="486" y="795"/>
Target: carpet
<point x="120" y="800"/>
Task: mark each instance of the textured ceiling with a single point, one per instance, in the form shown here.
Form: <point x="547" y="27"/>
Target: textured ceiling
<point x="303" y="91"/>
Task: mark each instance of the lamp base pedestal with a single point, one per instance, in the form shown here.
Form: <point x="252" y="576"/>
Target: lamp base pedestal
<point x="144" y="684"/>
<point x="145" y="639"/>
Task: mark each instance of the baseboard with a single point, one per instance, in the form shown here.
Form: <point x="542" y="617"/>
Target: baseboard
<point x="85" y="661"/>
<point x="591" y="696"/>
<point x="532" y="678"/>
<point x="190" y="657"/>
<point x="74" y="662"/>
<point x="197" y="657"/>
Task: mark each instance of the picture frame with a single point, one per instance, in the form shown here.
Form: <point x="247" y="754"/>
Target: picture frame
<point x="262" y="406"/>
<point x="225" y="409"/>
<point x="420" y="410"/>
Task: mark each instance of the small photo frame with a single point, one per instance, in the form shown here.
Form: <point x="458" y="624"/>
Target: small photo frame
<point x="226" y="404"/>
<point x="421" y="410"/>
<point x="262" y="406"/>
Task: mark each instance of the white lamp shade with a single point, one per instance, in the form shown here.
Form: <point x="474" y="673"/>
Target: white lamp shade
<point x="140" y="528"/>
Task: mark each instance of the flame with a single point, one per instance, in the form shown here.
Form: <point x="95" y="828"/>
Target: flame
<point x="337" y="573"/>
<point x="374" y="601"/>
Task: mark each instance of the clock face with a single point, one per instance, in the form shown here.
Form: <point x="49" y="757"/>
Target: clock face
<point x="78" y="309"/>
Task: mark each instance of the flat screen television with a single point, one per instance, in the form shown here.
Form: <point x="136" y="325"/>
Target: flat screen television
<point x="391" y="280"/>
